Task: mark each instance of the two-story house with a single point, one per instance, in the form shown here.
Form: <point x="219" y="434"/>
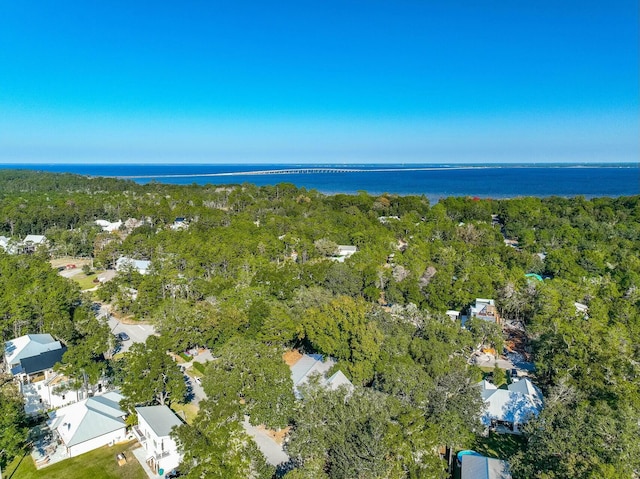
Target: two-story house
<point x="484" y="309"/>
<point x="153" y="432"/>
<point x="30" y="360"/>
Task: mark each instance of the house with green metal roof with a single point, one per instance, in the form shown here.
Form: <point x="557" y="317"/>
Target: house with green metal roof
<point x="89" y="424"/>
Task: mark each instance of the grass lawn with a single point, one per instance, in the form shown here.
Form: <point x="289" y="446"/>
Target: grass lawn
<point x="500" y="446"/>
<point x="190" y="411"/>
<point x="98" y="464"/>
<point x="85" y="282"/>
<point x="79" y="262"/>
<point x="198" y="367"/>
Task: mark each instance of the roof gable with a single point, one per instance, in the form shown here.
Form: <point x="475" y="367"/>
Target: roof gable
<point x="42" y="361"/>
<point x="142" y="266"/>
<point x="311" y="364"/>
<point x="509" y="406"/>
<point x="35" y="239"/>
<point x="526" y="387"/>
<point x="307" y="365"/>
<point x="95" y="425"/>
<point x="337" y="380"/>
<point x="88" y="419"/>
<point x="28" y="346"/>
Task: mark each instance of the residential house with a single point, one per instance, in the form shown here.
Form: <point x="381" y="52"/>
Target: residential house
<point x="108" y="226"/>
<point x="89" y="424"/>
<point x="153" y="431"/>
<point x="480" y="467"/>
<point x="507" y="410"/>
<point x="179" y="223"/>
<point x="124" y="263"/>
<point x="453" y="314"/>
<point x="484" y="309"/>
<point x="8" y="245"/>
<point x="50" y="393"/>
<point x="385" y="219"/>
<point x="32" y="242"/>
<point x="344" y="252"/>
<point x="31" y="357"/>
<point x="582" y="310"/>
<point x="312" y="364"/>
<point x="29" y="245"/>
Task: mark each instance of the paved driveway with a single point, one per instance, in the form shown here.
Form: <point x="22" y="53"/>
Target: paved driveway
<point x="508" y="362"/>
<point x="272" y="451"/>
<point x="198" y="392"/>
<point x="70" y="273"/>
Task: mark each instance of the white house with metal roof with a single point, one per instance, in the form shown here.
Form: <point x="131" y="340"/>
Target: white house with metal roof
<point x="153" y="431"/>
<point x="484" y="309"/>
<point x="90" y="424"/>
<point x="35" y="239"/>
<point x="108" y="226"/>
<point x="8" y="245"/>
<point x="30" y="359"/>
<point x="141" y="266"/>
<point x="344" y="251"/>
<point x="312" y="364"/>
<point x="33" y="242"/>
<point x="507" y="410"/>
<point x="31" y="354"/>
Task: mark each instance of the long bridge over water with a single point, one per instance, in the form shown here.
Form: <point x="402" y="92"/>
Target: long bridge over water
<point x="296" y="171"/>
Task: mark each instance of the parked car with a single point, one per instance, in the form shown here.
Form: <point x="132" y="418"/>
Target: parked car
<point x="123" y="336"/>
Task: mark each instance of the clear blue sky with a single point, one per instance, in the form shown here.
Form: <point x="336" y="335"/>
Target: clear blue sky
<point x="324" y="81"/>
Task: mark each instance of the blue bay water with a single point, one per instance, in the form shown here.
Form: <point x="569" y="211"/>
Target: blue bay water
<point x="433" y="181"/>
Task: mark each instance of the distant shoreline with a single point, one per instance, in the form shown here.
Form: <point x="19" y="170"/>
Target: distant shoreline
<point x="403" y="166"/>
<point x="490" y="180"/>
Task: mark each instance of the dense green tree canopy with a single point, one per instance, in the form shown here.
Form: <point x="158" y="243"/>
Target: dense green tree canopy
<point x="252" y="378"/>
<point x="252" y="275"/>
<point x="13" y="422"/>
<point x="151" y="376"/>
